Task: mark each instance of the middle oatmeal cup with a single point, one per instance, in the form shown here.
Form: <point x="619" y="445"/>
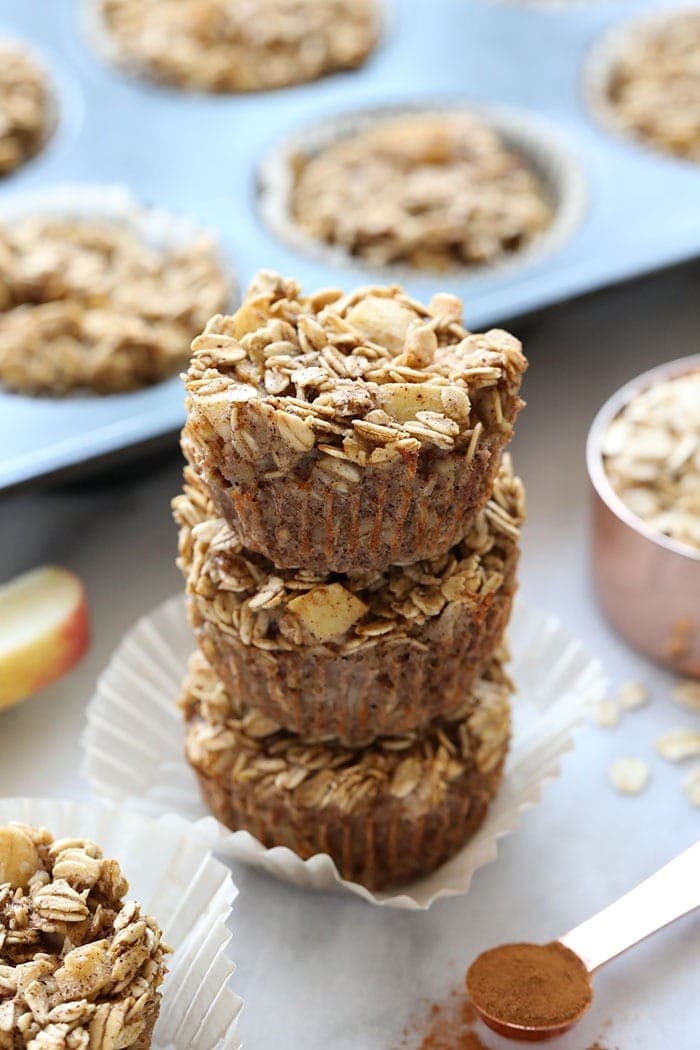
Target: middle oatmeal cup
<point x="349" y="432"/>
<point x="355" y="657"/>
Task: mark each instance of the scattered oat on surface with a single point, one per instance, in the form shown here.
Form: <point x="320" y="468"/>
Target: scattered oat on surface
<point x="654" y="84"/>
<point x="632" y="695"/>
<point x="691" y="786"/>
<point x="679" y="744"/>
<point x="629" y="776"/>
<point x="89" y="306"/>
<point x="230" y="743"/>
<point x="607" y="714"/>
<point x="240" y="45"/>
<point x="652" y="457"/>
<point x="432" y="191"/>
<point x="25" y="106"/>
<point x="687" y="694"/>
<point x="80" y="967"/>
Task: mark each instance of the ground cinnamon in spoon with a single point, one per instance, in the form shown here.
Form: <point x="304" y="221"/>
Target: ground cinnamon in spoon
<point x="532" y="985"/>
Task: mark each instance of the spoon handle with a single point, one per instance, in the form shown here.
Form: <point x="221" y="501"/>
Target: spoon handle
<point x="667" y="895"/>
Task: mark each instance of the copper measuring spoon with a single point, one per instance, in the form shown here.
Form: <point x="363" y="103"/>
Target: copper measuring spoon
<point x="665" y="896"/>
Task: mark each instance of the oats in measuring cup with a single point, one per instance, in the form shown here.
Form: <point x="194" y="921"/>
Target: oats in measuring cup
<point x="651" y="453"/>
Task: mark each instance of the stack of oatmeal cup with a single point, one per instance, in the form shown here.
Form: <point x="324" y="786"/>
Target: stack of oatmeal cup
<point x="349" y="536"/>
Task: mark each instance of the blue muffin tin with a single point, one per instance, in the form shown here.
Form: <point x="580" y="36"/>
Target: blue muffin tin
<point x="199" y="155"/>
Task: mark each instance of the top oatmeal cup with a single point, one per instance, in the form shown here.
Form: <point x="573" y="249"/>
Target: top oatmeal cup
<point x="349" y="432"/>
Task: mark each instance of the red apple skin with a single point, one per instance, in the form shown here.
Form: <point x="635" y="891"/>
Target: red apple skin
<point x="44" y="659"/>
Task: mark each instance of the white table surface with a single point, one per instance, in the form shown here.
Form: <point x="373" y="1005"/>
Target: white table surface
<point x="329" y="972"/>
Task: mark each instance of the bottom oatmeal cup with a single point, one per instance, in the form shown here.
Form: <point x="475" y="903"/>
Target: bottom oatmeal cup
<point x="80" y="966"/>
<point x="357" y="656"/>
<point x="386" y="814"/>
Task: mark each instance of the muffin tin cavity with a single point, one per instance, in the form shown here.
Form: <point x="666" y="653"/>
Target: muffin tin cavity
<point x="224" y="47"/>
<point x="644" y="82"/>
<point x="432" y="189"/>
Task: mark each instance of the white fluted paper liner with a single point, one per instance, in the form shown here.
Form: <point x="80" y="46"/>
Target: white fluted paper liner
<point x="97" y="202"/>
<point x="521" y="131"/>
<point x="174" y="877"/>
<point x="134" y="743"/>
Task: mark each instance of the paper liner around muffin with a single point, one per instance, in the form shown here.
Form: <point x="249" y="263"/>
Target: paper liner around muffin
<point x="408" y="642"/>
<point x="175" y="879"/>
<point x="386" y="814"/>
<point x="347" y="433"/>
<point x="133" y="751"/>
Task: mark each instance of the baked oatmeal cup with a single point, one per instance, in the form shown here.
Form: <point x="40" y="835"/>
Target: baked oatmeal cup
<point x="26" y="106"/>
<point x="89" y="304"/>
<point x="358" y="656"/>
<point x="645" y="81"/>
<point x="351" y="432"/>
<point x="80" y="966"/>
<point x="386" y="814"/>
<point x="426" y="190"/>
<point x="227" y="46"/>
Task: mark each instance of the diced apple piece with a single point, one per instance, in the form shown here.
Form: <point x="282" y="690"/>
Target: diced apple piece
<point x="328" y="610"/>
<point x="19" y="858"/>
<point x="44" y="630"/>
<point x="382" y="321"/>
<point x="403" y="401"/>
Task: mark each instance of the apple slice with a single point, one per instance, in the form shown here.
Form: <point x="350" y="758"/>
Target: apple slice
<point x="44" y="630"/>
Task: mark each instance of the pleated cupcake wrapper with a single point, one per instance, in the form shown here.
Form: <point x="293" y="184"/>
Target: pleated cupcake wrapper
<point x="391" y="516"/>
<point x="528" y="136"/>
<point x="599" y="66"/>
<point x="172" y="874"/>
<point x="97" y="202"/>
<point x="390" y="688"/>
<point x="134" y="743"/>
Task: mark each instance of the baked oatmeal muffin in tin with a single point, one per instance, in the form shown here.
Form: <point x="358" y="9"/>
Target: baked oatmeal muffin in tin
<point x="26" y="106"/>
<point x="80" y="966"/>
<point x="386" y="814"/>
<point x="357" y="656"/>
<point x="644" y="81"/>
<point x="235" y="45"/>
<point x="348" y="433"/>
<point x="425" y="190"/>
<point x="87" y="304"/>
